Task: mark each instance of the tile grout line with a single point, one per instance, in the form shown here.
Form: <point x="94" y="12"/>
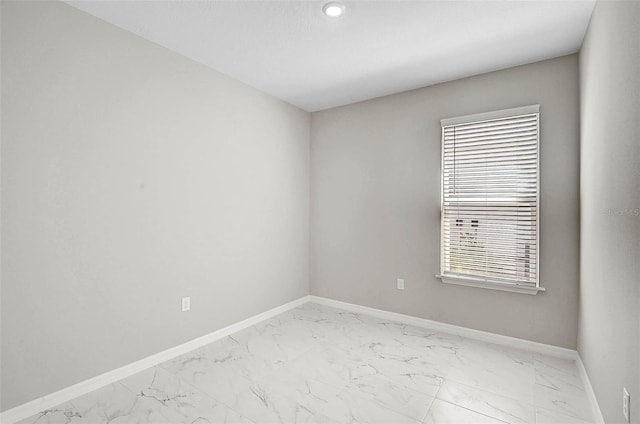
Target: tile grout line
<point x="474" y="411"/>
<point x="435" y="397"/>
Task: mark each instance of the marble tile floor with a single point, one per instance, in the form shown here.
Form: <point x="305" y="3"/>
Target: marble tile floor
<point x="316" y="364"/>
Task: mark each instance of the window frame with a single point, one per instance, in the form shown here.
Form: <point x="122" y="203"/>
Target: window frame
<point x="477" y="280"/>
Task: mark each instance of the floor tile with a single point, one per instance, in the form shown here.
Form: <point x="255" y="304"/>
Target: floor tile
<point x="152" y="396"/>
<point x="347" y="406"/>
<point x="388" y="394"/>
<point x="162" y="397"/>
<point x="447" y="413"/>
<point x="567" y="402"/>
<point x="421" y="377"/>
<point x="62" y="414"/>
<point x="559" y="381"/>
<point x="331" y="365"/>
<point x="504" y="408"/>
<point x="550" y="365"/>
<point x="495" y="369"/>
<point x="113" y="402"/>
<point x="549" y="417"/>
<point x="274" y="400"/>
<point x="559" y="388"/>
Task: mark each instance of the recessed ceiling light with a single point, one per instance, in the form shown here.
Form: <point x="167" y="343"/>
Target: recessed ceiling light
<point x="333" y="9"/>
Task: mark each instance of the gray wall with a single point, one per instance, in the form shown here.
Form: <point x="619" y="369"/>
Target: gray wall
<point x="609" y="323"/>
<point x="375" y="202"/>
<point x="132" y="177"/>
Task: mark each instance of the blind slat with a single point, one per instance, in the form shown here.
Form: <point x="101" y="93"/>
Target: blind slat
<point x="497" y="264"/>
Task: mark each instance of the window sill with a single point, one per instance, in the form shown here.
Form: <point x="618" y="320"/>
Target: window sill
<point x="488" y="284"/>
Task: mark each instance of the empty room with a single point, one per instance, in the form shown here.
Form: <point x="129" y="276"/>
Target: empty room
<point x="297" y="211"/>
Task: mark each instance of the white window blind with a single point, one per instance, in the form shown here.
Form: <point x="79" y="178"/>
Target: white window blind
<point x="490" y="192"/>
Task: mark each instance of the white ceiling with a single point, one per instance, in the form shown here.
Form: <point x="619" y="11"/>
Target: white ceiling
<point x="290" y="50"/>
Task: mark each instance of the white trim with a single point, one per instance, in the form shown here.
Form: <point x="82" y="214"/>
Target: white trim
<point x="486" y="116"/>
<point x="556" y="351"/>
<point x="68" y="393"/>
<point x="489" y="284"/>
<point x="591" y="395"/>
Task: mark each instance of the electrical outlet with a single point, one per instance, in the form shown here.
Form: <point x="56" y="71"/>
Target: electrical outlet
<point x="400" y="284"/>
<point x="625" y="404"/>
<point x="186" y="304"/>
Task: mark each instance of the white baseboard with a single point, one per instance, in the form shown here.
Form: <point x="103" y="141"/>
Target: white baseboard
<point x="49" y="401"/>
<point x="591" y="395"/>
<point x="559" y="352"/>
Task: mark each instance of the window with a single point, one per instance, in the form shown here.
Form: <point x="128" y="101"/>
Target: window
<point x="490" y="192"/>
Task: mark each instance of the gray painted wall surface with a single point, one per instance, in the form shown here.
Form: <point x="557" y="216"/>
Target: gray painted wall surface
<point x="375" y="202"/>
<point x="609" y="322"/>
<point x="132" y="177"/>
